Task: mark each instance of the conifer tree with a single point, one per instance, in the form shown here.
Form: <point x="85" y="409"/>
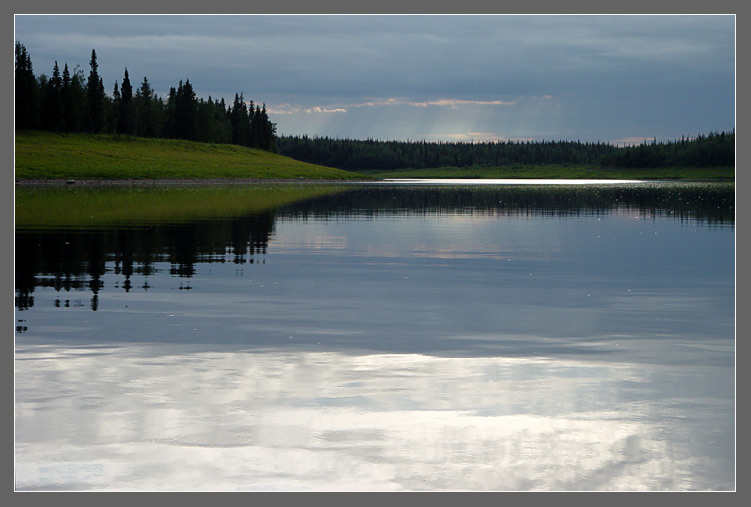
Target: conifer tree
<point x="146" y="115"/>
<point x="126" y="123"/>
<point x="186" y="112"/>
<point x="254" y="123"/>
<point x="114" y="114"/>
<point x="65" y="103"/>
<point x="94" y="97"/>
<point x="74" y="100"/>
<point x="25" y="84"/>
<point x="240" y="121"/>
<point x="52" y="113"/>
<point x="169" y="112"/>
<point x="268" y="132"/>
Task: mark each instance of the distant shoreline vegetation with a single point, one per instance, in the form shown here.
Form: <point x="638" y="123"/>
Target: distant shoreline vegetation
<point x="703" y="151"/>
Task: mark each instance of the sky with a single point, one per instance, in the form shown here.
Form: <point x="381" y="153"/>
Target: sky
<point x="611" y="78"/>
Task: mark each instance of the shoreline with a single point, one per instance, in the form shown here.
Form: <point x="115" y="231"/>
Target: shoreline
<point x="141" y="182"/>
<point x="166" y="182"/>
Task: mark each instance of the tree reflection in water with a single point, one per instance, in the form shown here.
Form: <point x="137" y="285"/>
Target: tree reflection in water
<point x="73" y="258"/>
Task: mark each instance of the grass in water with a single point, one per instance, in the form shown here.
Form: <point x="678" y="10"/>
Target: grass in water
<point x="76" y="207"/>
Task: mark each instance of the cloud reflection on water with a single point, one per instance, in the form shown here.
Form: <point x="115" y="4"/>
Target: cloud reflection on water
<point x="152" y="418"/>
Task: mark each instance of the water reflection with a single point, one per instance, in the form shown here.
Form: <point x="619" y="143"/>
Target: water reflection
<point x="73" y="255"/>
<point x="211" y="419"/>
<point x="376" y="337"/>
<point x="708" y="203"/>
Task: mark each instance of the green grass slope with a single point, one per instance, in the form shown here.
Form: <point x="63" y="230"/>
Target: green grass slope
<point x="46" y="155"/>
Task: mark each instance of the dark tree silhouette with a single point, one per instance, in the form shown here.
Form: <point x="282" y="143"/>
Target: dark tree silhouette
<point x="94" y="97"/>
<point x="25" y="84"/>
<point x="239" y="117"/>
<point x="186" y="112"/>
<point x="52" y="106"/>
<point x="126" y="119"/>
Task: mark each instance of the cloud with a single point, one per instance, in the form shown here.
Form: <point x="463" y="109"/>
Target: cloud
<point x="286" y="109"/>
<point x="472" y="136"/>
<point x="454" y="103"/>
<point x="481" y="137"/>
<point x="385" y="102"/>
<point x="631" y="141"/>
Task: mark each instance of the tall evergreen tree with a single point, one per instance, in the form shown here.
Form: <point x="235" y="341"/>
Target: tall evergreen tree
<point x="266" y="131"/>
<point x="114" y="114"/>
<point x="126" y="124"/>
<point x="94" y="97"/>
<point x="145" y="115"/>
<point x="65" y="96"/>
<point x="25" y="84"/>
<point x="253" y="119"/>
<point x="240" y="120"/>
<point x="224" y="125"/>
<point x="52" y="112"/>
<point x="170" y="109"/>
<point x="186" y="112"/>
<point x="74" y="100"/>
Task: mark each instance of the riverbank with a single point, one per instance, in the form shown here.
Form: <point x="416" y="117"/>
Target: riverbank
<point x="575" y="172"/>
<point x="178" y="182"/>
<point x="47" y="156"/>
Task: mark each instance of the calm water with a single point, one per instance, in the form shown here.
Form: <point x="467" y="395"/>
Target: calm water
<point x="376" y="337"/>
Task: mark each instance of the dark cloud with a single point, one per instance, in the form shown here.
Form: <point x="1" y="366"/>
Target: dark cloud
<point x="613" y="69"/>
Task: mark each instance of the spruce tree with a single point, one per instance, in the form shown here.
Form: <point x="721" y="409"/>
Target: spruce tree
<point x="254" y="123"/>
<point x="169" y="112"/>
<point x="115" y="112"/>
<point x="52" y="113"/>
<point x="94" y="98"/>
<point x="75" y="101"/>
<point x="240" y="122"/>
<point x="65" y="99"/>
<point x="25" y="84"/>
<point x="126" y="123"/>
<point x="268" y="132"/>
<point x="148" y="112"/>
<point x="186" y="112"/>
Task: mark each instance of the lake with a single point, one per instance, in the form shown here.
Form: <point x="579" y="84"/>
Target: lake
<point x="398" y="336"/>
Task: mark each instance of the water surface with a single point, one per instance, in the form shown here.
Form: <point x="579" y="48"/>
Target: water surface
<point x="378" y="337"/>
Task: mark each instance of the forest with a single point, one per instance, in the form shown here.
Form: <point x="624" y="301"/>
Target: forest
<point x="70" y="101"/>
<point x="711" y="150"/>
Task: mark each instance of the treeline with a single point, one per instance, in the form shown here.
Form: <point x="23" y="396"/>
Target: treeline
<point x="73" y="102"/>
<point x="363" y="155"/>
<point x="359" y="155"/>
<point x="715" y="149"/>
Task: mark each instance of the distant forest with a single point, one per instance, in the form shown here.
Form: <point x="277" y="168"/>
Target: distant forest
<point x="711" y="150"/>
<point x="72" y="102"/>
<point x="68" y="101"/>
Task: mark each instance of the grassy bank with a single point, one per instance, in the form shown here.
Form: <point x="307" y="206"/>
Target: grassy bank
<point x="564" y="172"/>
<point x="46" y="155"/>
